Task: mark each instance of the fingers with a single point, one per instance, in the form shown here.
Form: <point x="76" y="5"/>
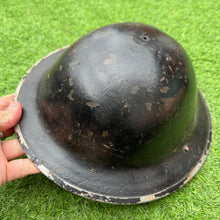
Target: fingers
<point x="5" y="101"/>
<point x="10" y="116"/>
<point x="20" y="168"/>
<point x="12" y="149"/>
<point x="9" y="97"/>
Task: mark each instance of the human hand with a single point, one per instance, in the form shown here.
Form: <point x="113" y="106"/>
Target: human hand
<point x="11" y="169"/>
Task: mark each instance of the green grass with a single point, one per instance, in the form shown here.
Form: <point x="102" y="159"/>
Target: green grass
<point x="30" y="30"/>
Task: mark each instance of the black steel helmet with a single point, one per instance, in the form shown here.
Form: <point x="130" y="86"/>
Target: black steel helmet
<point x="115" y="117"/>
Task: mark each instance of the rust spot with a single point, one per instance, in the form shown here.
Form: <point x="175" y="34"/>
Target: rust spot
<point x="92" y="104"/>
<point x="70" y="81"/>
<point x="148" y="105"/>
<point x="70" y="95"/>
<point x="134" y="90"/>
<point x="60" y="68"/>
<point x="164" y="89"/>
<point x="105" y="134"/>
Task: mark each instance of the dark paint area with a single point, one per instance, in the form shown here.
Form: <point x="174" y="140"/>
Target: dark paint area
<point x="122" y="95"/>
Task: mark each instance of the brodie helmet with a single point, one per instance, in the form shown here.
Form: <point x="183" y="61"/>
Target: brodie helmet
<point x="116" y="117"/>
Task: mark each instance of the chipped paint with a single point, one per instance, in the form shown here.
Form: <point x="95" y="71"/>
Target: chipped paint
<point x="70" y="137"/>
<point x="60" y="68"/>
<point x="105" y="134"/>
<point x="126" y="105"/>
<point x="70" y="95"/>
<point x="45" y="171"/>
<point x="193" y="172"/>
<point x="91" y="134"/>
<point x="147" y="198"/>
<point x="168" y="58"/>
<point x="106" y="146"/>
<point x="149" y="90"/>
<point x="148" y="105"/>
<point x="93" y="104"/>
<point x="134" y="90"/>
<point x="70" y="81"/>
<point x="162" y="79"/>
<point x="164" y="89"/>
<point x="20" y="136"/>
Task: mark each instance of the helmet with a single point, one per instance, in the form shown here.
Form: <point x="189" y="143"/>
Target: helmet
<point x="117" y="115"/>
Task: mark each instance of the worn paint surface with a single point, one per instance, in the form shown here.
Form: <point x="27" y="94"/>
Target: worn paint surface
<point x="131" y="80"/>
<point x="118" y="123"/>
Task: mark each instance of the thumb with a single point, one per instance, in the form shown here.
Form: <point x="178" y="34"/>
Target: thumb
<point x="10" y="116"/>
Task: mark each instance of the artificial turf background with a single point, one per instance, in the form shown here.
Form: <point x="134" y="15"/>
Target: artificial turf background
<point x="30" y="30"/>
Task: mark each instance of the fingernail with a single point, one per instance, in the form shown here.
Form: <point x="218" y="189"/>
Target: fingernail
<point x="13" y="105"/>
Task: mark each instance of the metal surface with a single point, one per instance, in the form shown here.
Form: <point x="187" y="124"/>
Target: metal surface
<point x="117" y="116"/>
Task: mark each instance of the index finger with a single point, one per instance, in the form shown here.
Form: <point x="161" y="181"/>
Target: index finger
<point x="20" y="168"/>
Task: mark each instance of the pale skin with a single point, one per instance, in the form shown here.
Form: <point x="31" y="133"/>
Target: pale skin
<point x="10" y="167"/>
